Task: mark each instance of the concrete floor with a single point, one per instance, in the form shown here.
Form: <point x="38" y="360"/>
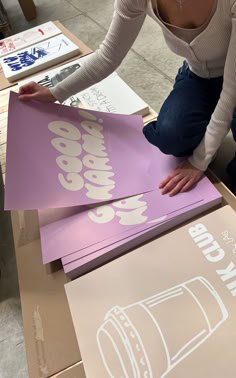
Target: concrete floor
<point x="149" y="69"/>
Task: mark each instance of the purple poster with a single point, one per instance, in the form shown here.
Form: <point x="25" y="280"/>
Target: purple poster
<point x="76" y="232"/>
<point x="89" y="258"/>
<point x="58" y="156"/>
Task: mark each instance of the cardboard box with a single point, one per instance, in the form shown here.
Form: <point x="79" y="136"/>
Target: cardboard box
<point x="51" y="346"/>
<point x="50" y="340"/>
<point x="25" y="227"/>
<point x="4" y="83"/>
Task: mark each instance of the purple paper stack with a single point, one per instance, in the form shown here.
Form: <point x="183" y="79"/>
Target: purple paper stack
<point x="94" y="179"/>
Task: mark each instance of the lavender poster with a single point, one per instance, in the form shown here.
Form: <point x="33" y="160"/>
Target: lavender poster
<point x="106" y="250"/>
<point x="58" y="156"/>
<point x="93" y="225"/>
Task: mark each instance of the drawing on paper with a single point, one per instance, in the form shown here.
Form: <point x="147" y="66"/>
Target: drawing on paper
<point x="28" y="37"/>
<point x="61" y="74"/>
<point x="127" y="333"/>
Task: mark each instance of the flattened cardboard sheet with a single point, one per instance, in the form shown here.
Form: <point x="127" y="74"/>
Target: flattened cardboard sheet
<point x="50" y="340"/>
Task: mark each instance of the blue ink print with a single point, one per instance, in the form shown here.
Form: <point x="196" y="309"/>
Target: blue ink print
<point x="25" y="58"/>
<point x="32" y="56"/>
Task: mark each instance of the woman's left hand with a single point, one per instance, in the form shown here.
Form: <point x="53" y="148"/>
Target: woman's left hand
<point x="181" y="179"/>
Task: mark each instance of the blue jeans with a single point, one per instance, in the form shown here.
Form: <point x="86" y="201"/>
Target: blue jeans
<point x="185" y="114"/>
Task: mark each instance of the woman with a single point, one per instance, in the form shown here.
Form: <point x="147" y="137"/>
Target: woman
<point x="199" y="111"/>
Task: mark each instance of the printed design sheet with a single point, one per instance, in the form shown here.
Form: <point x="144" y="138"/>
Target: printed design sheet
<point x="115" y="220"/>
<point x="100" y="97"/>
<point x="28" y="37"/>
<point x="165" y="310"/>
<point x="32" y="58"/>
<point x="82" y="261"/>
<point x="58" y="156"/>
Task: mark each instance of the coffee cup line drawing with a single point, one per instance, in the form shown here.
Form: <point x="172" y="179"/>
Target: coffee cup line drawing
<point x="127" y="334"/>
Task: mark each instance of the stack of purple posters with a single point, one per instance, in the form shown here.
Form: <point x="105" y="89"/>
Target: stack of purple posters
<point x="94" y="179"/>
<point x="84" y="238"/>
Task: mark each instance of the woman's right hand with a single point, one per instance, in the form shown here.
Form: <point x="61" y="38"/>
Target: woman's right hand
<point x="34" y="91"/>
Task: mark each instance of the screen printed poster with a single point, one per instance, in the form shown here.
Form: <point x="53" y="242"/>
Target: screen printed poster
<point x="58" y="156"/>
<point x="119" y="219"/>
<point x="28" y="37"/>
<point x="29" y="60"/>
<point x="166" y="309"/>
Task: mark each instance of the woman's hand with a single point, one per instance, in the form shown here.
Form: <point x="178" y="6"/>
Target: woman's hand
<point x="34" y="91"/>
<point x="181" y="179"/>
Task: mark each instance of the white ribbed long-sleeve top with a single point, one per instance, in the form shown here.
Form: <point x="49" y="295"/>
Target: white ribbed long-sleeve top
<point x="211" y="54"/>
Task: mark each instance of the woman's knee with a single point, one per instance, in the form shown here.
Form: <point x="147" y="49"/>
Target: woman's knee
<point x="165" y="134"/>
<point x="175" y="135"/>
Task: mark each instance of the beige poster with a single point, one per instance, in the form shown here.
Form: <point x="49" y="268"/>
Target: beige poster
<point x="167" y="309"/>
